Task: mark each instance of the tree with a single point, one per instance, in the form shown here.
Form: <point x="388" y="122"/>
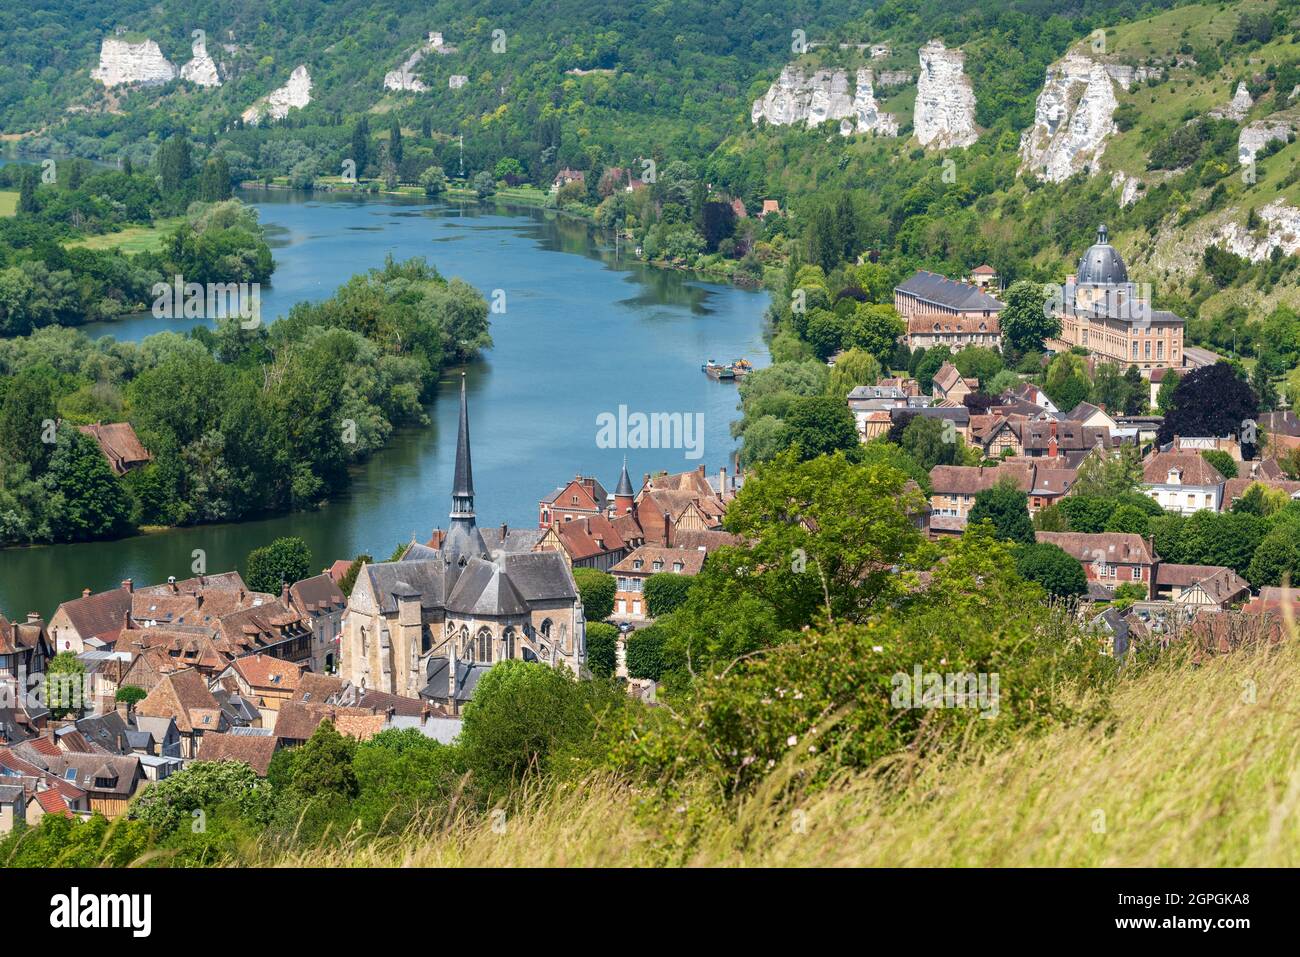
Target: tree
<point x="434" y="181"/>
<point x="928" y="365"/>
<point x="819" y="424"/>
<point x="875" y="329"/>
<point x="361" y="145"/>
<point x="201" y="786"/>
<point x="323" y="766"/>
<point x="1210" y="401"/>
<point x="1026" y="321"/>
<point x="395" y="141"/>
<point x="1262" y="384"/>
<point x="665" y="591"/>
<point x="927" y="441"/>
<point x="130" y="695"/>
<point x="349" y="579"/>
<point x="285" y="560"/>
<point x="27" y="417"/>
<point x="1067" y="381"/>
<point x="1109" y="388"/>
<point x="1165" y="394"/>
<point x="65" y="685"/>
<point x="1225" y="463"/>
<point x="85" y="499"/>
<point x="1007" y="508"/>
<point x="1126" y="593"/>
<point x="27" y="201"/>
<point x="1276" y="558"/>
<point x="596" y="590"/>
<point x="1136" y="400"/>
<point x="1052" y="567"/>
<point x="602" y="648"/>
<point x="1130" y="519"/>
<point x="853" y="368"/>
<point x="1260" y="499"/>
<point x="214" y="180"/>
<point x="484" y="185"/>
<point x="645" y="653"/>
<point x="977" y="362"/>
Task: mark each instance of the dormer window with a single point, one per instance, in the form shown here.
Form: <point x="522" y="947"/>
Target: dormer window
<point x="637" y="564"/>
<point x="1175" y="476"/>
<point x="678" y="566"/>
<point x="658" y="565"/>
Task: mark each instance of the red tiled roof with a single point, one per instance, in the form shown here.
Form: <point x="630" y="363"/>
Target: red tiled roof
<point x="1196" y="470"/>
<point x="119" y="443"/>
<point x="52" y="802"/>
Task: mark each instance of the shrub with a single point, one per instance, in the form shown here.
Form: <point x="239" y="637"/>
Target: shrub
<point x="602" y="648"/>
<point x="664" y="591"/>
<point x="596" y="589"/>
<point x="645" y="653"/>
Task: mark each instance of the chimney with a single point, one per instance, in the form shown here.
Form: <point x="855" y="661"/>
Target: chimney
<point x="1052" y="447"/>
<point x="504" y="529"/>
<point x="128" y="584"/>
<point x="666" y="529"/>
<point x="424" y="716"/>
<point x="124" y="709"/>
<point x="85" y="593"/>
<point x="722" y="482"/>
<point x="284" y="592"/>
<point x="33" y="617"/>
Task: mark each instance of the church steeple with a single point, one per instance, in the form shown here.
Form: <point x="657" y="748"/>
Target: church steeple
<point x="462" y="485"/>
<point x="463" y="539"/>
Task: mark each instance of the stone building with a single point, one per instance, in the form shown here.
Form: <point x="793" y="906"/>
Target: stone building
<point x="1111" y="317"/>
<point x="458" y="607"/>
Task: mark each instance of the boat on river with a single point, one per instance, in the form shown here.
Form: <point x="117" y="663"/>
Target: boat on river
<point x="727" y="373"/>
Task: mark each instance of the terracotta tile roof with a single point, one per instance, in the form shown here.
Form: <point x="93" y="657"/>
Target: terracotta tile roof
<point x="1235" y="488"/>
<point x="313" y="686"/>
<point x="1196" y="470"/>
<point x="971" y="479"/>
<point x="263" y="671"/>
<point x="1070" y="436"/>
<point x="1110" y="547"/>
<point x="693" y="480"/>
<point x="52" y="802"/>
<point x="185" y="697"/>
<point x="317" y="595"/>
<point x="255" y="750"/>
<point x="119" y="443"/>
<point x="1220" y="583"/>
<point x="692" y="560"/>
<point x="21" y="636"/>
<point x="97" y="615"/>
<point x="298" y="720"/>
<point x="710" y="539"/>
<point x="589" y="536"/>
<point x="339" y="569"/>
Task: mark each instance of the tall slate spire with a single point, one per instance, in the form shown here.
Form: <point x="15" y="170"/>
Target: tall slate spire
<point x="462" y="485"/>
<point x="463" y="541"/>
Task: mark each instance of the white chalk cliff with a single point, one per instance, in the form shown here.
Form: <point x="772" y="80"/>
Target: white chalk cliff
<point x="945" y="102"/>
<point x="1255" y="136"/>
<point x="1237" y="107"/>
<point x="202" y="69"/>
<point x="799" y="97"/>
<point x="121" y="61"/>
<point x="294" y="95"/>
<point x="404" y="77"/>
<point x="1280" y="229"/>
<point x="1072" y="119"/>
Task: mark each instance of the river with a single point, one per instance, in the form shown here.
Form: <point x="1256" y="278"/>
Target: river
<point x="583" y="332"/>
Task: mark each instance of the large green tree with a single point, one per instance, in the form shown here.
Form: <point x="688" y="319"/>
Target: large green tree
<point x="285" y="561"/>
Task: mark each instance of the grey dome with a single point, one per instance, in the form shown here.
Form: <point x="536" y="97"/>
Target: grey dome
<point x="1101" y="265"/>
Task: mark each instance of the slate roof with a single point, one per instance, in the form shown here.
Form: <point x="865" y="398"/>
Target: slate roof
<point x="107" y="731"/>
<point x="121" y="772"/>
<point x="428" y="577"/>
<point x="483" y="590"/>
<point x="1101" y="264"/>
<point x="467" y="678"/>
<point x="318" y="594"/>
<point x="940" y="290"/>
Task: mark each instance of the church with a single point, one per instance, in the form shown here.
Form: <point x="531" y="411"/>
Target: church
<point x="432" y="623"/>
<point x="1109" y="316"/>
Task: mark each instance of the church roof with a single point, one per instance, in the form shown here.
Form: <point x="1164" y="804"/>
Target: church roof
<point x="1101" y="265"/>
<point x="485" y="589"/>
<point x="428" y="579"/>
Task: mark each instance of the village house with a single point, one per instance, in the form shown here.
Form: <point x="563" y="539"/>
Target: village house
<point x="1105" y="313"/>
<point x="13" y="806"/>
<point x="1182" y="482"/>
<point x="119" y="445"/>
<point x="104" y="671"/>
<point x="108" y="781"/>
<point x="184" y="697"/>
<point x="25" y="649"/>
<point x="1282" y="429"/>
<point x="566" y="176"/>
<point x="631" y="573"/>
<point x="985" y="278"/>
<point x="299" y="720"/>
<point x="941" y="311"/>
<point x="91" y="622"/>
<point x="1052" y="438"/>
<point x="1109" y="559"/>
<point x="1235" y="488"/>
<point x="1091" y="416"/>
<point x="591" y="542"/>
<point x="958" y="415"/>
<point x="948" y="385"/>
<point x="870" y="405"/>
<point x="582" y="497"/>
<point x="953" y="489"/>
<point x="1202" y="586"/>
<point x="320" y="605"/>
<point x="43" y="792"/>
<point x="266" y="681"/>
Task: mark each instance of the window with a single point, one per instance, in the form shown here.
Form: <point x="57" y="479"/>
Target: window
<point x="636" y="608"/>
<point x="1160" y="350"/>
<point x="637" y="564"/>
<point x="678" y="566"/>
<point x="1146" y="349"/>
<point x="1137" y="573"/>
<point x="546" y="629"/>
<point x="510" y="643"/>
<point x="658" y="565"/>
<point x="1135" y="349"/>
<point x="485" y="645"/>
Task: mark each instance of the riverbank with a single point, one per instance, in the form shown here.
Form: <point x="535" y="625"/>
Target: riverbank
<point x="561" y="282"/>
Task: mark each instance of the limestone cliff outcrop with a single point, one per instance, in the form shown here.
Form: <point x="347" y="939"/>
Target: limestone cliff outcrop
<point x="1255" y="136"/>
<point x="201" y="70"/>
<point x="1280" y="229"/>
<point x="294" y="95"/>
<point x="945" y="101"/>
<point x="1072" y="119"/>
<point x="813" y="98"/>
<point x="1236" y="108"/>
<point x="404" y="77"/>
<point x="121" y="61"/>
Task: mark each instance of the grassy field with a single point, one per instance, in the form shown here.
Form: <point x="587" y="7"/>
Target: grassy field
<point x="133" y="239"/>
<point x="8" y="202"/>
<point x="1200" y="767"/>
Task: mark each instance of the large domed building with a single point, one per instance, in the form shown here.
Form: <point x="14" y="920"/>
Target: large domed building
<point x="1113" y="318"/>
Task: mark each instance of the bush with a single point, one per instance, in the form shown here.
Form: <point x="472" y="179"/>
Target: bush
<point x="664" y="591"/>
<point x="1222" y="461"/>
<point x="1052" y="567"/>
<point x="284" y="560"/>
<point x="596" y="589"/>
<point x="130" y="694"/>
